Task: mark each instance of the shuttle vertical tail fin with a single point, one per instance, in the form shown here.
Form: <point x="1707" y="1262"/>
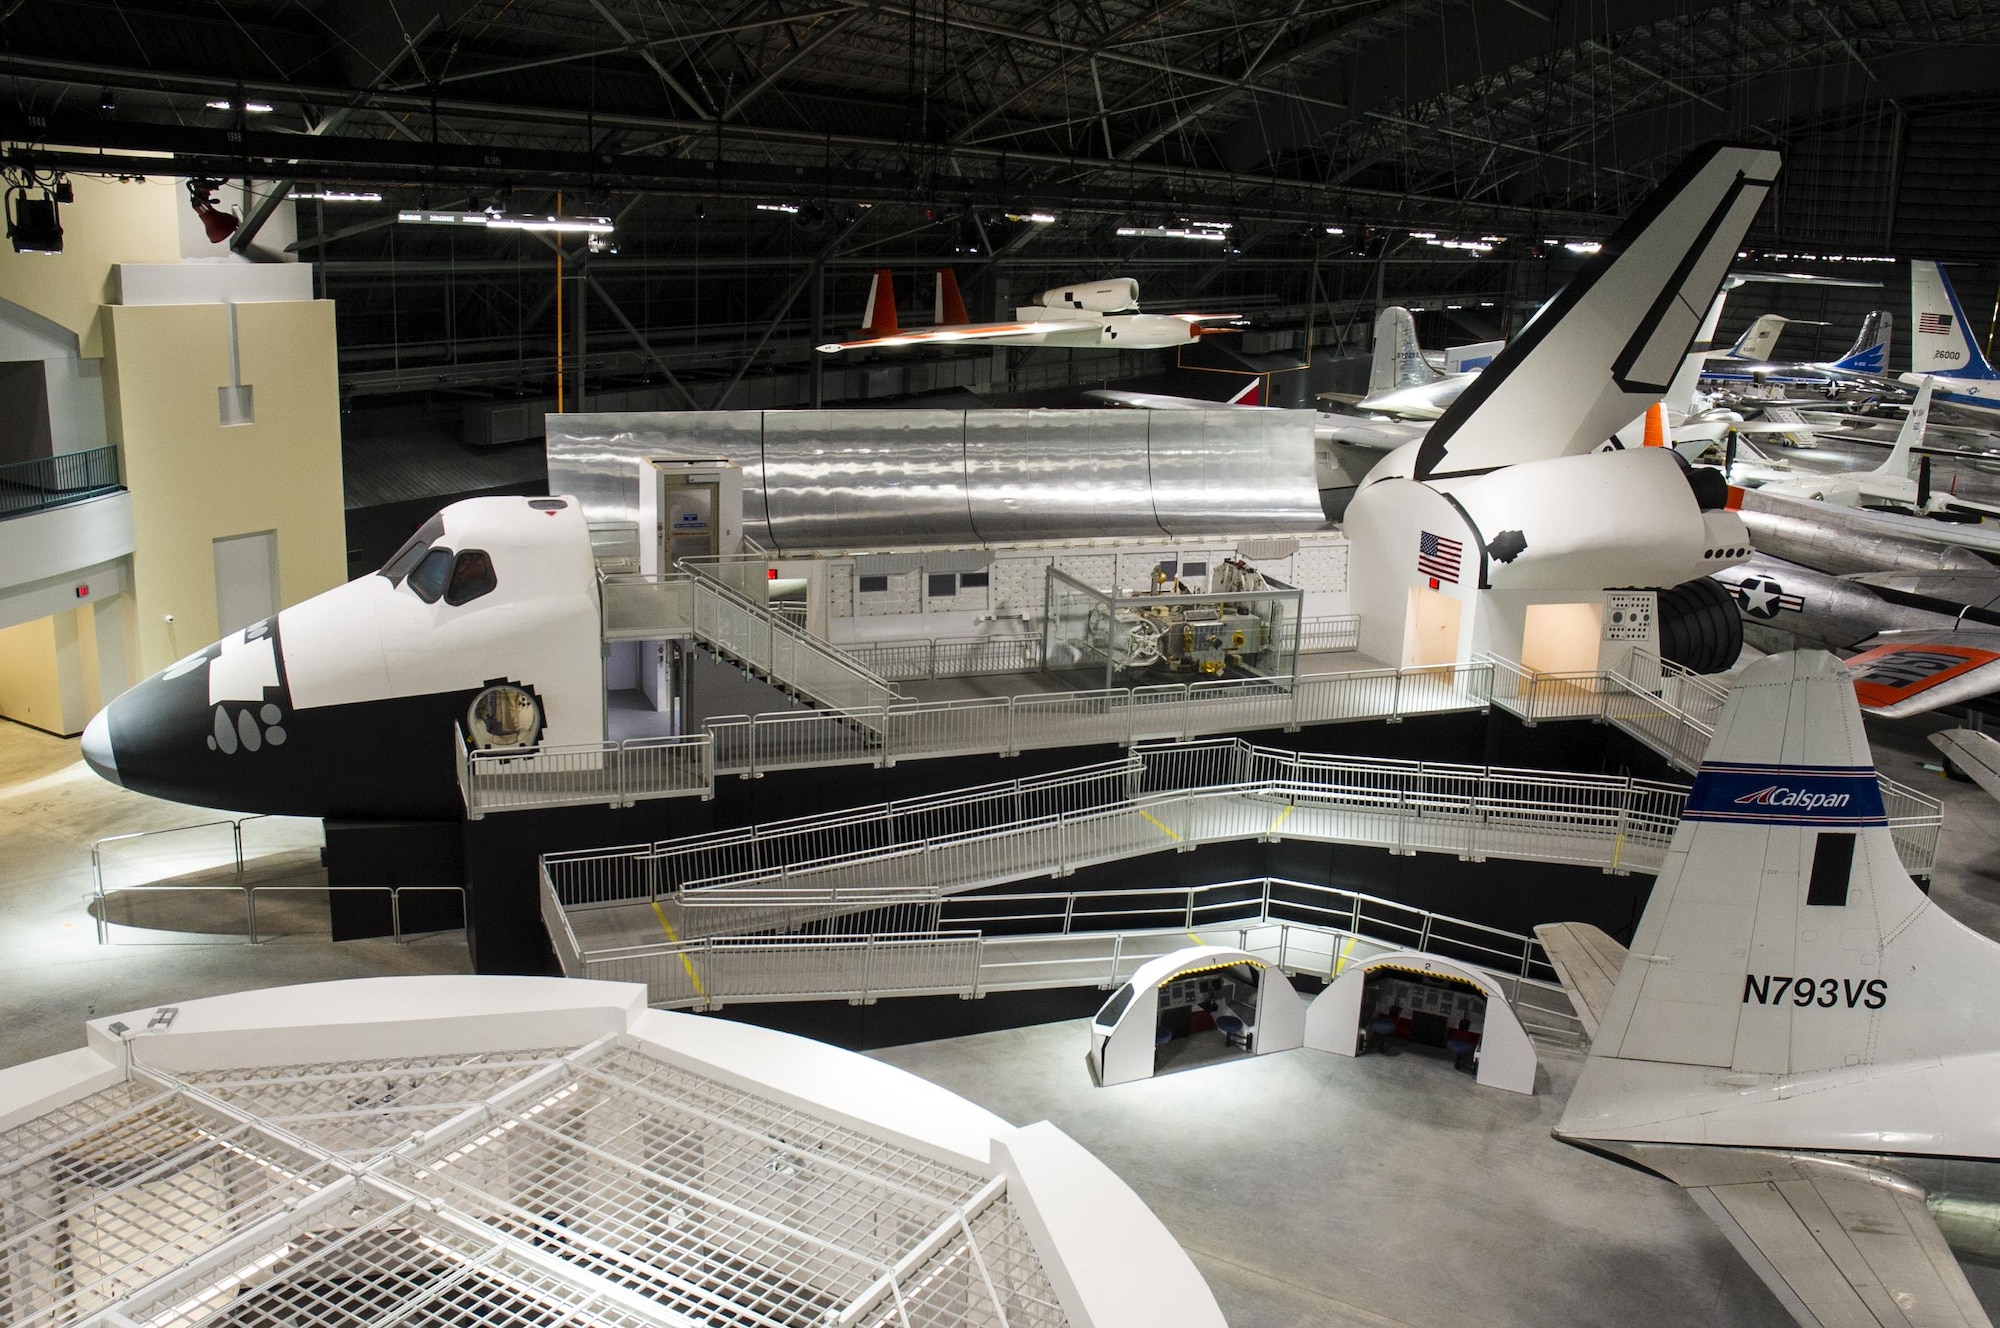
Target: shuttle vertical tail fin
<point x="1783" y="936"/>
<point x="1940" y="334"/>
<point x="879" y="318"/>
<point x="1398" y="361"/>
<point x="950" y="309"/>
<point x="1870" y="351"/>
<point x="1911" y="434"/>
<point x="1610" y="344"/>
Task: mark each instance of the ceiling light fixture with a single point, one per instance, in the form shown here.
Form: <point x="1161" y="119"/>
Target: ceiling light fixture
<point x="338" y="196"/>
<point x="1201" y="231"/>
<point x="1583" y="246"/>
<point x="508" y="221"/>
<point x="778" y="207"/>
<point x="1039" y="218"/>
<point x="253" y="107"/>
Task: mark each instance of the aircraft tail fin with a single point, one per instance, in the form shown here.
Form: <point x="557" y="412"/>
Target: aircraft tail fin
<point x="1870" y="351"/>
<point x="1609" y="345"/>
<point x="1251" y="394"/>
<point x="949" y="310"/>
<point x="1783" y="935"/>
<point x="1398" y="361"/>
<point x="1909" y="436"/>
<point x="1759" y="339"/>
<point x="879" y="318"/>
<point x="1940" y="334"/>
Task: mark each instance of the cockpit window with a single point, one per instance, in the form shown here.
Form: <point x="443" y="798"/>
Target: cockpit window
<point x="413" y="551"/>
<point x="471" y="576"/>
<point x="428" y="578"/>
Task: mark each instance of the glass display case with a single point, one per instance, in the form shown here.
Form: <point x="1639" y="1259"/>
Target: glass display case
<point x="1246" y="625"/>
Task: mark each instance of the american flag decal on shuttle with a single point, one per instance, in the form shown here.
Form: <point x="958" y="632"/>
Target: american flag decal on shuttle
<point x="1935" y="324"/>
<point x="1438" y="556"/>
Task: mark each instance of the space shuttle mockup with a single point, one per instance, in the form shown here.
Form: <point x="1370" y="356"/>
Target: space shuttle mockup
<point x="1799" y="1036"/>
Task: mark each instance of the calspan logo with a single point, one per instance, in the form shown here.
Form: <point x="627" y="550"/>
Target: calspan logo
<point x="1755" y="792"/>
<point x="1804" y="800"/>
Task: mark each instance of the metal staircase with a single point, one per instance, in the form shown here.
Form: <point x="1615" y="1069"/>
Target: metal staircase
<point x="692" y="605"/>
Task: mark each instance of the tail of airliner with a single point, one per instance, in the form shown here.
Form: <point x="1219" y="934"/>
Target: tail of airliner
<point x="1398" y="361"/>
<point x="1783" y="936"/>
<point x="879" y="318"/>
<point x="1940" y="334"/>
<point x="1759" y="339"/>
<point x="949" y="308"/>
<point x="1909" y="436"/>
<point x="1870" y="351"/>
<point x="1610" y="344"/>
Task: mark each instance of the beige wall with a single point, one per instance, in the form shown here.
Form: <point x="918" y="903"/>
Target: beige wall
<point x="42" y="677"/>
<point x="109" y="223"/>
<point x="194" y="480"/>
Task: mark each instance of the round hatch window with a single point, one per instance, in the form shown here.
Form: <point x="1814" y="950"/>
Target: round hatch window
<point x="504" y="716"/>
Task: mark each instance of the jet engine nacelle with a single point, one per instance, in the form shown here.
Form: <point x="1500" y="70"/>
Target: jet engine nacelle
<point x="1104" y="297"/>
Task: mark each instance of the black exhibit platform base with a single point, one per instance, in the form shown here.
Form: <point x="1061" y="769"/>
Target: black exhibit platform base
<point x="423" y="862"/>
<point x="500" y="851"/>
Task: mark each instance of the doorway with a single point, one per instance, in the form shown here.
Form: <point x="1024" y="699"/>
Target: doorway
<point x="1430" y="634"/>
<point x="246" y="579"/>
<point x="1561" y="638"/>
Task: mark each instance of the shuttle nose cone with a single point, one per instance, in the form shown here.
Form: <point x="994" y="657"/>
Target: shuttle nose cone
<point x="97" y="753"/>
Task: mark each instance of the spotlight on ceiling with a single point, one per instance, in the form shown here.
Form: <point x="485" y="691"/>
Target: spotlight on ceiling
<point x="215" y="223"/>
<point x="34" y="225"/>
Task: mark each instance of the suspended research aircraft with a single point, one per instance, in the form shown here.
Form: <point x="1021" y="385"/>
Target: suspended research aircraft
<point x="1941" y="346"/>
<point x="1799" y="1037"/>
<point x="1095" y="313"/>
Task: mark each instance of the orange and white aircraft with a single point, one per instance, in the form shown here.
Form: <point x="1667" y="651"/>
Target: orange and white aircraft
<point x="1097" y="313"/>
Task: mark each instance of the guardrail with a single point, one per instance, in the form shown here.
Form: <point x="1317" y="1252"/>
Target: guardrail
<point x="1167" y="796"/>
<point x="1034" y="940"/>
<point x="615" y="773"/>
<point x="208" y="846"/>
<point x="749" y="746"/>
<point x="52" y="481"/>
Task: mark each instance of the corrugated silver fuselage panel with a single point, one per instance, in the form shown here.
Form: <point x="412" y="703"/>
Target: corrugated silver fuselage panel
<point x="860" y="478"/>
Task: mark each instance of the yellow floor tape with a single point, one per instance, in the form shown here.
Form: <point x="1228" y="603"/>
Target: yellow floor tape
<point x="1156" y="821"/>
<point x="1345" y="951"/>
<point x="668" y="928"/>
<point x="1282" y="817"/>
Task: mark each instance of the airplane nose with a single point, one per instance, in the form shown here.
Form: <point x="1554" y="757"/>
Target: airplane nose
<point x="97" y="753"/>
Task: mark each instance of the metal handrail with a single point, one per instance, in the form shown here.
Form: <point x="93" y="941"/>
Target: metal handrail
<point x="910" y="843"/>
<point x="52" y="481"/>
<point x="799" y="636"/>
<point x="695" y="972"/>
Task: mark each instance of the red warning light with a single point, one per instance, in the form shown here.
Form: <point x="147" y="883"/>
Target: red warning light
<point x="1434" y="583"/>
<point x="771" y="574"/>
<point x="83" y="592"/>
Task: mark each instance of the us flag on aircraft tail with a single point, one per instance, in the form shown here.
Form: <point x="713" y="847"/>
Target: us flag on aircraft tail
<point x="1934" y="324"/>
<point x="1438" y="556"/>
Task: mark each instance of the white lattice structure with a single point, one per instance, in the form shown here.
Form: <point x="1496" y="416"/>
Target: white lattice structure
<point x="451" y="1150"/>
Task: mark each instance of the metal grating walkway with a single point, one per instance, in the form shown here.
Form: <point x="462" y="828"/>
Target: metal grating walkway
<point x="595" y="1186"/>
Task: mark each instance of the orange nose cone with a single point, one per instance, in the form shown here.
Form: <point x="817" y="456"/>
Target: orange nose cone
<point x="1656" y="425"/>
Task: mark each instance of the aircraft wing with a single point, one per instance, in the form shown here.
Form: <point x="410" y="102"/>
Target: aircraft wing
<point x="1376" y="435"/>
<point x="1013" y="334"/>
<point x="1845" y="1246"/>
<point x="1973" y="754"/>
<point x="1899" y="674"/>
<point x="1981" y="589"/>
<point x="1586" y="961"/>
